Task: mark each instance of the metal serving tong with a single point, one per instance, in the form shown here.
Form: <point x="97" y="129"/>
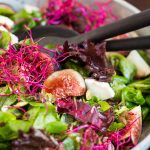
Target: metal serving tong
<point x="58" y="35"/>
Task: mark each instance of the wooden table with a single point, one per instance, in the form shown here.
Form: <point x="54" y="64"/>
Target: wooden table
<point x="141" y="4"/>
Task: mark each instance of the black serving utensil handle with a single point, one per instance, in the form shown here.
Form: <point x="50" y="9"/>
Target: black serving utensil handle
<point x="111" y="45"/>
<point x="137" y="43"/>
<point x="44" y="31"/>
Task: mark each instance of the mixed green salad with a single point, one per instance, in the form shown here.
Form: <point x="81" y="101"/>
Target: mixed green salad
<point x="68" y="97"/>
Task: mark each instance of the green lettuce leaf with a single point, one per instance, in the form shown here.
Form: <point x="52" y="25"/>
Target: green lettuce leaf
<point x="10" y="127"/>
<point x="56" y="127"/>
<point x="7" y="100"/>
<point x="103" y="104"/>
<point x="118" y="84"/>
<point x="4" y="39"/>
<point x="116" y="126"/>
<point x="143" y="85"/>
<point x="68" y="144"/>
<point x="122" y="65"/>
<point x="133" y="95"/>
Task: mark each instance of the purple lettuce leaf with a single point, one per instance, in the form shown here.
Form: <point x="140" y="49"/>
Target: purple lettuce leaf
<point x="84" y="113"/>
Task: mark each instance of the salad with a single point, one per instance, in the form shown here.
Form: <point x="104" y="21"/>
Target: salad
<point x="68" y="97"/>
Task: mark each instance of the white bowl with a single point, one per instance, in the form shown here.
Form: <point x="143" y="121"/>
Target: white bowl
<point x="122" y="9"/>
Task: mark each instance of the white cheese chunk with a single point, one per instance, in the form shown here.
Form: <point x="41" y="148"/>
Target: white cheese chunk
<point x="14" y="38"/>
<point x="101" y="90"/>
<point x="6" y="21"/>
<point x="143" y="69"/>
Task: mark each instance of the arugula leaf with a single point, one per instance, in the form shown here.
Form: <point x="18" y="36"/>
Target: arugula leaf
<point x="116" y="126"/>
<point x="143" y="85"/>
<point x="4" y="39"/>
<point x="120" y="79"/>
<point x="40" y="120"/>
<point x="72" y="142"/>
<point x="67" y="118"/>
<point x="5" y="117"/>
<point x="19" y="125"/>
<point x="9" y="126"/>
<point x="35" y="104"/>
<point x="130" y="105"/>
<point x="31" y="114"/>
<point x="10" y="130"/>
<point x="118" y="84"/>
<point x="18" y="113"/>
<point x="94" y="101"/>
<point x="55" y="127"/>
<point x="6" y="133"/>
<point x="68" y="144"/>
<point x="45" y="116"/>
<point x="7" y="100"/>
<point x="133" y="95"/>
<point x="104" y="105"/>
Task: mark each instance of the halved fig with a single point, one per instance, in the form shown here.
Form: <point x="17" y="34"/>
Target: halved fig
<point x="133" y="121"/>
<point x="65" y="83"/>
<point x="134" y="118"/>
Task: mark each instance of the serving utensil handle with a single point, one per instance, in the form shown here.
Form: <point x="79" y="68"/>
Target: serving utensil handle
<point x="138" y="43"/>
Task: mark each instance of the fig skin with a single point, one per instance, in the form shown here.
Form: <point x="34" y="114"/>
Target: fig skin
<point x="65" y="83"/>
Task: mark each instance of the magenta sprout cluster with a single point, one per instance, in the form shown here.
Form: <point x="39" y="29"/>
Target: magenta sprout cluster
<point x="79" y="16"/>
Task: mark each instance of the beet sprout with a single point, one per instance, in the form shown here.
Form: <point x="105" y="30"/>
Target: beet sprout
<point x="25" y="68"/>
<point x="78" y="128"/>
<point x="78" y="16"/>
<point x="121" y="139"/>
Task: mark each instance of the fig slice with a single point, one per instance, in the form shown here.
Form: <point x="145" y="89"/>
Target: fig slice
<point x="135" y="119"/>
<point x="65" y="83"/>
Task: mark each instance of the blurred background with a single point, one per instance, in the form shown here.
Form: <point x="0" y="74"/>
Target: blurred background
<point x="141" y="4"/>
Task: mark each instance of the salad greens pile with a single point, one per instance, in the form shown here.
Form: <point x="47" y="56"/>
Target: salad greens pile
<point x="79" y="97"/>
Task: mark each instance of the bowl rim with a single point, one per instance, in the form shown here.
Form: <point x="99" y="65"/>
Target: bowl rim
<point x="128" y="5"/>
